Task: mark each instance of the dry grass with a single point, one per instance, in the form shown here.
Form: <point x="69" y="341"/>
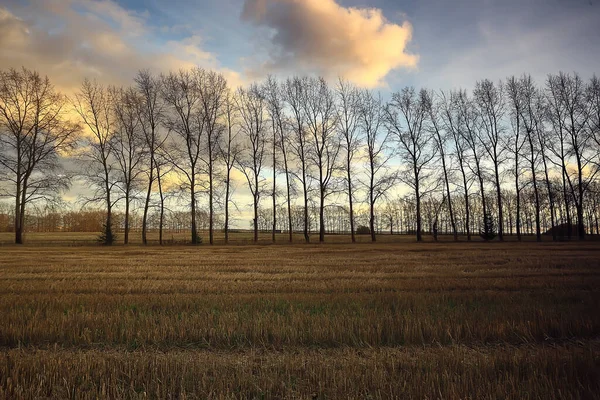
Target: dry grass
<point x="244" y="237"/>
<point x="404" y="320"/>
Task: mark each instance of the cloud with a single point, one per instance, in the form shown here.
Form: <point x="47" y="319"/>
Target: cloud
<point x="72" y="39"/>
<point x="320" y="36"/>
<point x="464" y="43"/>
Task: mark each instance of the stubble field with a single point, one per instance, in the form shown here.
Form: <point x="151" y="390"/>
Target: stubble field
<point x="386" y="320"/>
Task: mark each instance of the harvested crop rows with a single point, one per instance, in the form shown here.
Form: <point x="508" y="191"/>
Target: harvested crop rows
<point x="430" y="320"/>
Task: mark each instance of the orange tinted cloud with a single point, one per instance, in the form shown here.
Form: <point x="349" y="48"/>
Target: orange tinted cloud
<point x="322" y="37"/>
<point x="69" y="40"/>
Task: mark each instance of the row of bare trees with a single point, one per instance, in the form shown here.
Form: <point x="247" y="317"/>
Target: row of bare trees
<point x="176" y="140"/>
<point x="395" y="216"/>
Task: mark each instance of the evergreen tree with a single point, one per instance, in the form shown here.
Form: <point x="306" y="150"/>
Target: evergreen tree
<point x="488" y="230"/>
<point x="107" y="237"/>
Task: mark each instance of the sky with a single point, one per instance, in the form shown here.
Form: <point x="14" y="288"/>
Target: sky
<point x="383" y="44"/>
<point x="379" y="44"/>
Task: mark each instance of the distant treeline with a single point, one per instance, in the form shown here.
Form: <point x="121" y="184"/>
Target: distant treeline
<point x="510" y="157"/>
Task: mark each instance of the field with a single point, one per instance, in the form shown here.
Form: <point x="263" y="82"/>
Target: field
<point x="386" y="320"/>
<point x="243" y="237"/>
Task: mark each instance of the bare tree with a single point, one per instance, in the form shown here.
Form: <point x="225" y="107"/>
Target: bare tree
<point x="129" y="146"/>
<point x="270" y="90"/>
<point x="321" y="120"/>
<point x="558" y="145"/>
<point x="184" y="117"/>
<point x="405" y="117"/>
<point x="432" y="108"/>
<point x="470" y="132"/>
<point x="532" y="112"/>
<point x="543" y="140"/>
<point x="453" y="122"/>
<point x="212" y="88"/>
<point x="251" y="104"/>
<point x="379" y="177"/>
<point x="490" y="100"/>
<point x="151" y="106"/>
<point x="34" y="132"/>
<point x="516" y="106"/>
<point x="569" y="92"/>
<point x="93" y="103"/>
<point x="294" y="94"/>
<point x="348" y="120"/>
<point x="230" y="151"/>
<point x="276" y="101"/>
<point x="163" y="168"/>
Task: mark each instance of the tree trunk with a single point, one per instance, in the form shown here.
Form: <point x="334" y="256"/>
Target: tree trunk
<point x="210" y="198"/>
<point x="538" y="234"/>
<point x="580" y="221"/>
<point x="454" y="231"/>
<point x="22" y="212"/>
<point x="372" y="214"/>
<point x="348" y="161"/>
<point x="418" y="200"/>
<point x="126" y="233"/>
<point x="256" y="199"/>
<point x="306" y="235"/>
<point x="499" y="199"/>
<point x="419" y="237"/>
<point x="255" y="220"/>
<point x="550" y="198"/>
<point x="147" y="202"/>
<point x="18" y="226"/>
<point x="226" y="225"/>
<point x="566" y="200"/>
<point x="518" y="210"/>
<point x="274" y="187"/>
<point x="162" y="207"/>
<point x="482" y="190"/>
<point x="467" y="208"/>
<point x="322" y="216"/>
<point x="289" y="201"/>
<point x="193" y="212"/>
<point x="579" y="204"/>
<point x="108" y="232"/>
<point x="321" y="202"/>
<point x="372" y="199"/>
<point x="18" y="234"/>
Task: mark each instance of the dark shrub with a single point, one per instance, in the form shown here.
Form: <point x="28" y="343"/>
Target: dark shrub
<point x="363" y="230"/>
